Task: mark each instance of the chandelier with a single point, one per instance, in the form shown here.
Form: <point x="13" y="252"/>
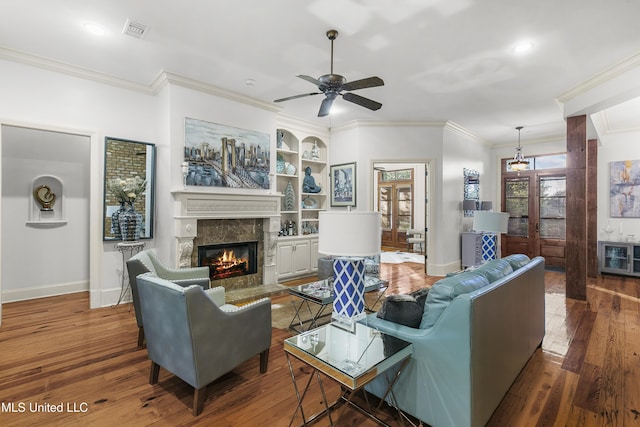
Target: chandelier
<point x="519" y="162"/>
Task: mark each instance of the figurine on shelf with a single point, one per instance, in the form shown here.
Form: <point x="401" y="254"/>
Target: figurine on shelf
<point x="315" y="151"/>
<point x="309" y="183"/>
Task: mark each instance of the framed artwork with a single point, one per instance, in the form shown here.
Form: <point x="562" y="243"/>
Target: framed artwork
<point x="225" y="156"/>
<point x="624" y="189"/>
<point x="343" y="184"/>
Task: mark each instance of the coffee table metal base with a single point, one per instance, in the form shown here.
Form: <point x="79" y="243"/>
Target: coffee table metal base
<point x="314" y="320"/>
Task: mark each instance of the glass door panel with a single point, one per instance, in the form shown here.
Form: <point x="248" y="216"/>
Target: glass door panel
<point x="517" y="204"/>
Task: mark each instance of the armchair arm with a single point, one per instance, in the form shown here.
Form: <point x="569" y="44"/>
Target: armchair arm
<point x="173" y="274"/>
<point x="217" y="295"/>
<point x="201" y="281"/>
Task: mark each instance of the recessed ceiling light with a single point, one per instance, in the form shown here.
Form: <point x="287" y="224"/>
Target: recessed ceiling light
<point x="523" y="47"/>
<point x="94" y="29"/>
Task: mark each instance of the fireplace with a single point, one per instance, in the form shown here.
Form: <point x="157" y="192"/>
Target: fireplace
<point x="204" y="218"/>
<point x="227" y="260"/>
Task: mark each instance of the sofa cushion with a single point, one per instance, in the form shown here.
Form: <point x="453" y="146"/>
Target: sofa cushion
<point x="445" y="290"/>
<point x="401" y="309"/>
<point x="517" y="260"/>
<point x="495" y="269"/>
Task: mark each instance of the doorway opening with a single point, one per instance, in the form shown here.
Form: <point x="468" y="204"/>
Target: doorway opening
<point x="400" y="194"/>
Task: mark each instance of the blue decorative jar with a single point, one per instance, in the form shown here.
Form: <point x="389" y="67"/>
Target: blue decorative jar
<point x="130" y="223"/>
<point x="115" y="222"/>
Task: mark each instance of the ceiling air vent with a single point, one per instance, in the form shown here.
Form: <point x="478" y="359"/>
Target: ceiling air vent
<point x="135" y="29"/>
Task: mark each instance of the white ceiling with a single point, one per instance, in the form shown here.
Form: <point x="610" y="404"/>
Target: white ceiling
<point x="440" y="59"/>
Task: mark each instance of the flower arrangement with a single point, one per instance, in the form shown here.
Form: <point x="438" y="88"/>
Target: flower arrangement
<point x="127" y="190"/>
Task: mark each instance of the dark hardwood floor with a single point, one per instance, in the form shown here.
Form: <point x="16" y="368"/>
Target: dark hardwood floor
<point x="56" y="352"/>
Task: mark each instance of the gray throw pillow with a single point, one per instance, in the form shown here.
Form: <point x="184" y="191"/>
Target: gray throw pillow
<point x="401" y="309"/>
<point x="421" y="296"/>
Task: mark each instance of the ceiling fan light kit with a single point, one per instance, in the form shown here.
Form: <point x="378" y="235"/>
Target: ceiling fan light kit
<point x="333" y="85"/>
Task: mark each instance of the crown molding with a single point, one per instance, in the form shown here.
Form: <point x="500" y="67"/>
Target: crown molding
<point x="166" y="77"/>
<point x="71" y="70"/>
<point x="387" y="124"/>
<point x="158" y="83"/>
<point x="607" y="74"/>
<point x="456" y="128"/>
<point x="290" y="122"/>
<point x="533" y="141"/>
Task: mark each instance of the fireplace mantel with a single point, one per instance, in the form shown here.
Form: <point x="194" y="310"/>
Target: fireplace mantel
<point x="191" y="206"/>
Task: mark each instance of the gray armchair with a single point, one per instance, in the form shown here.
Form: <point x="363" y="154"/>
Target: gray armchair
<point x="146" y="261"/>
<point x="190" y="336"/>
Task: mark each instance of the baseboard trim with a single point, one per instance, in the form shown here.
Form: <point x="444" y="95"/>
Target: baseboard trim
<point x="14" y="295"/>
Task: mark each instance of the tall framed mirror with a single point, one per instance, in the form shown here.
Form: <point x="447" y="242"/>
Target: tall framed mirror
<point x="129" y="186"/>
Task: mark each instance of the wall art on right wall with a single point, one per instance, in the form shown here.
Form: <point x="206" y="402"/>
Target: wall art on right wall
<point x="624" y="189"/>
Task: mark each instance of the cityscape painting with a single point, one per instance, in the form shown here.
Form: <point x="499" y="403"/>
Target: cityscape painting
<point x="225" y="156"/>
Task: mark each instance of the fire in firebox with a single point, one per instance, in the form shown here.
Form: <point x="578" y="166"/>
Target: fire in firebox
<point x="229" y="260"/>
<point x="227" y="265"/>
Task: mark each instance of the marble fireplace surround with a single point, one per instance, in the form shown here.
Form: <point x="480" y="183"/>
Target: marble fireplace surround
<point x="193" y="210"/>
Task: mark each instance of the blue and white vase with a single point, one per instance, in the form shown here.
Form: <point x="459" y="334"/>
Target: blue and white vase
<point x="130" y="223"/>
<point x="115" y="222"/>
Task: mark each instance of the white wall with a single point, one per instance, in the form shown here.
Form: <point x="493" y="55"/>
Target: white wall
<point x="39" y="259"/>
<point x="43" y="99"/>
<point x="621" y="146"/>
<point x="190" y="103"/>
<point x="447" y="150"/>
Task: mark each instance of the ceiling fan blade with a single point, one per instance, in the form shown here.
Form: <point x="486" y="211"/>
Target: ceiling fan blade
<point x="362" y="101"/>
<point x="297" y="96"/>
<point x="310" y="80"/>
<point x="325" y="107"/>
<point x="363" y="83"/>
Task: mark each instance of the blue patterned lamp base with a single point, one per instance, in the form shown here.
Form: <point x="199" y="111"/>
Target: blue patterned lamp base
<point x="489" y="247"/>
<point x="348" y="286"/>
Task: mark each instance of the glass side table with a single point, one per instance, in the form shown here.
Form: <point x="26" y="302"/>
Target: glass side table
<point x="351" y="359"/>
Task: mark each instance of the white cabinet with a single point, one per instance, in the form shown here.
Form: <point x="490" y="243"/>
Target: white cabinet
<point x="301" y="149"/>
<point x="297" y="256"/>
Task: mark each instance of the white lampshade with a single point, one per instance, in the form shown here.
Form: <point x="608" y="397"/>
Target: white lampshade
<point x="493" y="222"/>
<point x="352" y="234"/>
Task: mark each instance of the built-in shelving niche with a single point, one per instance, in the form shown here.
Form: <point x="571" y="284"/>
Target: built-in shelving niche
<point x="39" y="217"/>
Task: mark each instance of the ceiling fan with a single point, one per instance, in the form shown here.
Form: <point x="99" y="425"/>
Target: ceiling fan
<point x="332" y="85"/>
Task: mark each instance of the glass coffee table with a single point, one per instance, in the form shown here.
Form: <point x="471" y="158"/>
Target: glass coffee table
<point x="351" y="359"/>
<point x="311" y="301"/>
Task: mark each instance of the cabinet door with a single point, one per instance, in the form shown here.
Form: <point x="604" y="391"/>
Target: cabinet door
<point x="313" y="257"/>
<point x="615" y="258"/>
<point x="301" y="257"/>
<point x="285" y="259"/>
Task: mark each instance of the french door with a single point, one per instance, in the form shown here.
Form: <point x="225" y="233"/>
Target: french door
<point x="395" y="203"/>
<point x="536" y="203"/>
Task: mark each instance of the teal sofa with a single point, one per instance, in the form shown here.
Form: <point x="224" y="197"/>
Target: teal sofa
<point x="478" y="330"/>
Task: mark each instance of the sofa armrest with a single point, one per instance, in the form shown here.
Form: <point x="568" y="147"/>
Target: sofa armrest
<point x="397" y="330"/>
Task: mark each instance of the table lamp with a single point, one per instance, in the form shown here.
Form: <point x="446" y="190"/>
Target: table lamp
<point x="491" y="224"/>
<point x="348" y="237"/>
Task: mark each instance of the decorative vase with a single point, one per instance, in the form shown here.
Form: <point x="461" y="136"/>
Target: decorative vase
<point x="289" y="197"/>
<point x="130" y="223"/>
<point x="115" y="222"/>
